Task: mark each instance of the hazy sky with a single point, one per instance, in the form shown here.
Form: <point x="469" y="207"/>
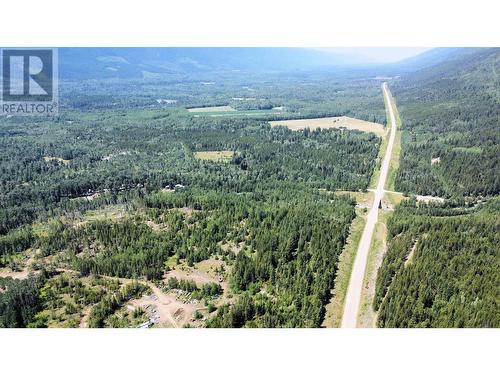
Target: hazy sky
<point x="378" y="55"/>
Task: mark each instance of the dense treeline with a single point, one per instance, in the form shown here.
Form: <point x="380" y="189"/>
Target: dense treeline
<point x="20" y="300"/>
<point x="451" y="113"/>
<point x="440" y="271"/>
<point x="327" y="159"/>
<point x="207" y="290"/>
<point x="16" y="241"/>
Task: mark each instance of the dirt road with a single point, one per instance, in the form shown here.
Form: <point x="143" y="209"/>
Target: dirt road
<point x="351" y="307"/>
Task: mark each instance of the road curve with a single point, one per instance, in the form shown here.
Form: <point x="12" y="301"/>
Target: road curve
<point x="353" y="297"/>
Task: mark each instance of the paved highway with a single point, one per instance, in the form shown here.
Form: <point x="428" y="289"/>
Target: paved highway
<point x="353" y="298"/>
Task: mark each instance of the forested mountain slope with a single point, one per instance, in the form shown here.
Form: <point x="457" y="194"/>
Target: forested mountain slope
<point x="451" y="121"/>
<point x="432" y="57"/>
<point x="442" y="265"/>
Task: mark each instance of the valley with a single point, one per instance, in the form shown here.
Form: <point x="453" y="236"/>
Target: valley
<point x="242" y="198"/>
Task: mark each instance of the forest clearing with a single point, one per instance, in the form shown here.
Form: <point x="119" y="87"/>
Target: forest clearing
<point x="220" y="108"/>
<point x="333" y="123"/>
<point x="218" y="156"/>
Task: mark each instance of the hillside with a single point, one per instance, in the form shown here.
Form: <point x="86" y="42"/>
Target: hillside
<point x="434" y="56"/>
<point x="441" y="266"/>
<point x="450" y="114"/>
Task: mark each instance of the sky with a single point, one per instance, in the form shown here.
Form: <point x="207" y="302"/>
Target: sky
<point x="378" y="54"/>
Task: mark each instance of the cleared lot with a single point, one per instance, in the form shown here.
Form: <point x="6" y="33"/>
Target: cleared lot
<point x="332" y="122"/>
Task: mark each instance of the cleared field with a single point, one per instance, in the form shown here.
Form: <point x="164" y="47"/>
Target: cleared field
<point x="363" y="199"/>
<point x="332" y="122"/>
<point x="115" y="212"/>
<point x="392" y="198"/>
<point x="251" y="112"/>
<point x="222" y="108"/>
<point x="429" y="199"/>
<point x="59" y="160"/>
<point x="219" y="156"/>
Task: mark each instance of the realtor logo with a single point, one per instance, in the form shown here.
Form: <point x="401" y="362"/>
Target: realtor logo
<point x="29" y="81"/>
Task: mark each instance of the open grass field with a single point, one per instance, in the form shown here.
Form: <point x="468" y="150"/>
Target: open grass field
<point x="218" y="156"/>
<point x="333" y="122"/>
<point x="236" y="113"/>
<point x="221" y="108"/>
<point x="392" y="199"/>
<point x="363" y="199"/>
<point x="112" y="212"/>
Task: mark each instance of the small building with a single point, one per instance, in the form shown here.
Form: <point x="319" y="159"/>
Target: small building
<point x="435" y="160"/>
